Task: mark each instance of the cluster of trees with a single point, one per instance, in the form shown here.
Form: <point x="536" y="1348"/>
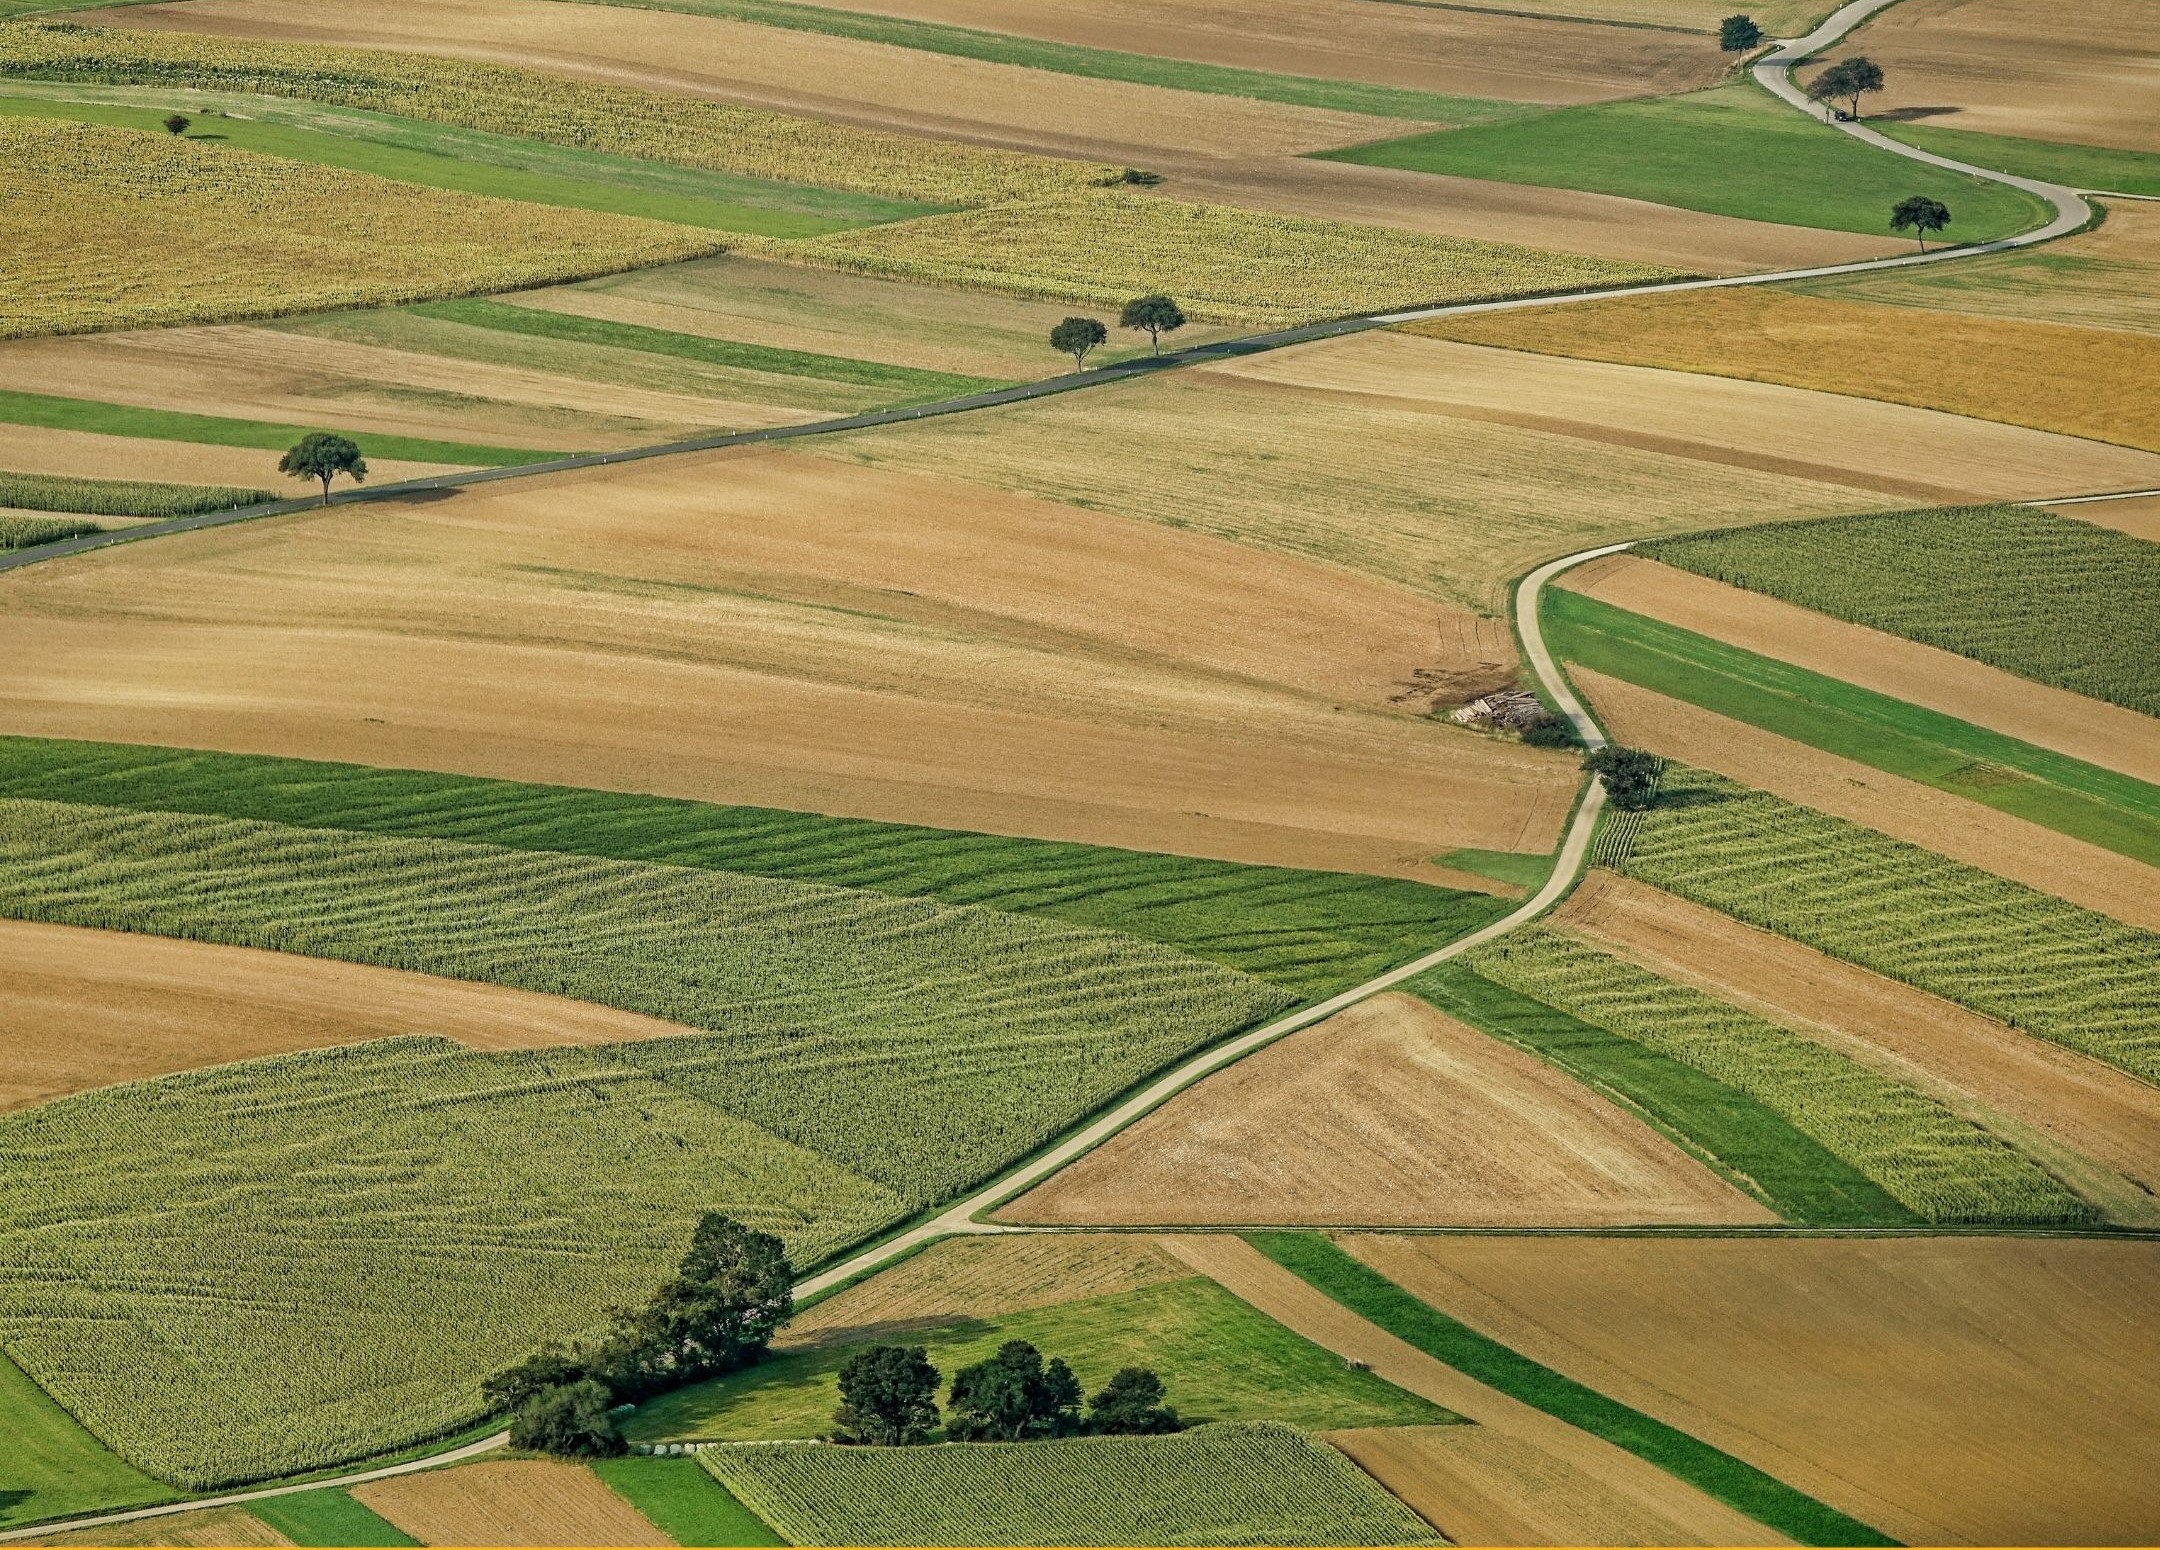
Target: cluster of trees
<point x="1153" y="315"/>
<point x="1849" y="79"/>
<point x="732" y="1291"/>
<point x="888" y="1397"/>
<point x="1630" y="775"/>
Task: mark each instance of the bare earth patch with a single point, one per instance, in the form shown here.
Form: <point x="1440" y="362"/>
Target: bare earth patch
<point x="1388" y="1113"/>
<point x="1547" y="1471"/>
<point x="526" y="1502"/>
<point x="1944" y="1390"/>
<point x="2140" y="517"/>
<point x="2064" y="1109"/>
<point x="82" y="1009"/>
<point x="213" y="1526"/>
<point x="2106" y="735"/>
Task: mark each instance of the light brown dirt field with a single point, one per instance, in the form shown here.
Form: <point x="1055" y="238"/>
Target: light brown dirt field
<point x="2000" y="1391"/>
<point x="2140" y="517"/>
<point x="1389" y="1113"/>
<point x="2108" y="277"/>
<point x="289" y="378"/>
<point x="840" y="79"/>
<point x="1979" y="836"/>
<point x="32" y="449"/>
<point x="2070" y="1112"/>
<point x="982" y="1277"/>
<point x="790" y="632"/>
<point x="1779" y="18"/>
<point x="1456" y="51"/>
<point x="2102" y="734"/>
<point x="1574" y="1478"/>
<point x="82" y="1009"/>
<point x="523" y="1502"/>
<point x="2078" y="381"/>
<point x="213" y="1526"/>
<point x="2087" y="73"/>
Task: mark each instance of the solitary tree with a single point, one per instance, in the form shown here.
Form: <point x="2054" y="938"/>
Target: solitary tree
<point x="1629" y="774"/>
<point x="888" y="1396"/>
<point x="1159" y="315"/>
<point x="729" y="1294"/>
<point x="1848" y="78"/>
<point x="570" y="1419"/>
<point x="323" y="455"/>
<point x="1131" y="1404"/>
<point x="177" y="123"/>
<point x="1012" y="1395"/>
<point x="1738" y="34"/>
<point x="1919" y="215"/>
<point x="1077" y="336"/>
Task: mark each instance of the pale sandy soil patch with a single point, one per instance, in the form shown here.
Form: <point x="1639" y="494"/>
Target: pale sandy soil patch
<point x="1944" y="1390"/>
<point x="1389" y="1113"/>
<point x="840" y="79"/>
<point x="2140" y="517"/>
<point x="82" y="1009"/>
<point x="1569" y="1475"/>
<point x="213" y="1526"/>
<point x="798" y="633"/>
<point x="2102" y="734"/>
<point x="523" y="1502"/>
<point x="2087" y="73"/>
<point x="2066" y="1110"/>
<point x="1779" y="18"/>
<point x="1979" y="836"/>
<point x="32" y="449"/>
<point x="1455" y="51"/>
<point x="980" y="1278"/>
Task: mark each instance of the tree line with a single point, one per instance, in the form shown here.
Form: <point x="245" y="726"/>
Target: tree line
<point x="888" y="1397"/>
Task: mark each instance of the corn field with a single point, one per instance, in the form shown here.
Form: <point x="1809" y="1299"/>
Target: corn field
<point x="1935" y="1163"/>
<point x="1239" y="1484"/>
<point x="119" y="497"/>
<point x="27" y="532"/>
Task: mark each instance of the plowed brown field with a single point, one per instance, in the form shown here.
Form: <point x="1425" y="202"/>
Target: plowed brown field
<point x="81" y="1009"/>
<point x="213" y="1526"/>
<point x="527" y="1502"/>
<point x="1980" y="836"/>
<point x="2106" y="735"/>
<point x="1551" y="1472"/>
<point x="1985" y="1390"/>
<point x="2069" y="1112"/>
<point x="2087" y="73"/>
<point x="799" y="633"/>
<point x="32" y="449"/>
<point x="1388" y="1113"/>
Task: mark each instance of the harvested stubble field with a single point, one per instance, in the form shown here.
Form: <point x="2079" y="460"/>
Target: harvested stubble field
<point x="263" y="236"/>
<point x="2011" y="586"/>
<point x="1100" y="247"/>
<point x="525" y="1502"/>
<point x="2088" y="73"/>
<point x="531" y="104"/>
<point x="2078" y="381"/>
<point x="1389" y="1113"/>
<point x="1982" y="1390"/>
<point x="1214" y="1485"/>
<point x="796" y="633"/>
<point x="2067" y="1112"/>
<point x="1937" y="1165"/>
<point x="2040" y="964"/>
<point x="212" y="1526"/>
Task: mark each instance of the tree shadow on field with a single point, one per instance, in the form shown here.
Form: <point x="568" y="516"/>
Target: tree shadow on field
<point x="1907" y="115"/>
<point x="11" y="1499"/>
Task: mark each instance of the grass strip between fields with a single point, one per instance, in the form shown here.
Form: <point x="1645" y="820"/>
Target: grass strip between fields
<point x="85" y="414"/>
<point x="331" y="1517"/>
<point x="2078" y="166"/>
<point x="681" y="1499"/>
<point x="1738" y="1484"/>
<point x="1801" y="1179"/>
<point x="1102" y="64"/>
<point x="2102" y="807"/>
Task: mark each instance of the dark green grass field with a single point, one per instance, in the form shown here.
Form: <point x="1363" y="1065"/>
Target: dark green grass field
<point x="1732" y="150"/>
<point x="2079" y="166"/>
<point x="679" y="1497"/>
<point x="1312" y="932"/>
<point x="328" y="1517"/>
<point x="50" y="1467"/>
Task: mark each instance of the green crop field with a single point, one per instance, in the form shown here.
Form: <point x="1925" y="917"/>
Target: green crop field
<point x="1219" y="1358"/>
<point x="329" y="1517"/>
<point x="2078" y="166"/>
<point x="1941" y="1167"/>
<point x="1312" y="932"/>
<point x="2055" y="600"/>
<point x="681" y="1499"/>
<point x="52" y="1467"/>
<point x="2103" y="807"/>
<point x="2010" y="952"/>
<point x="119" y="497"/>
<point x="1731" y="150"/>
<point x="1796" y="1175"/>
<point x="28" y="532"/>
<point x="1217" y="1485"/>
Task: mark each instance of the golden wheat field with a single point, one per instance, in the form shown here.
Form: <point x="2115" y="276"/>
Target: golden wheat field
<point x="185" y="232"/>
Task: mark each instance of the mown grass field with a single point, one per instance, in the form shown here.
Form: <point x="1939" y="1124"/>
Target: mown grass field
<point x="53" y="1466"/>
<point x="1732" y="150"/>
<point x="119" y="497"/>
<point x="1216" y="1485"/>
<point x="2078" y="166"/>
<point x="2046" y="597"/>
<point x="2022" y="957"/>
<point x="1311" y="932"/>
<point x="328" y="1517"/>
<point x="683" y="1500"/>
<point x="1939" y="1166"/>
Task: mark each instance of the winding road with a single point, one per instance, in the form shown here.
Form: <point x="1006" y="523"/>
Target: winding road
<point x="1774" y="72"/>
